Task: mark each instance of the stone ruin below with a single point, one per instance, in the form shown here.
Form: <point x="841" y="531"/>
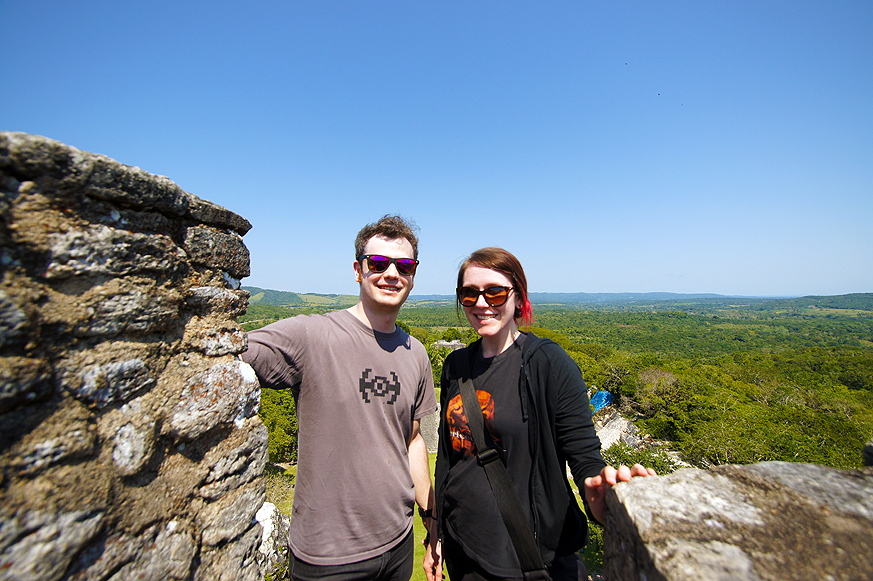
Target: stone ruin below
<point x="131" y="446"/>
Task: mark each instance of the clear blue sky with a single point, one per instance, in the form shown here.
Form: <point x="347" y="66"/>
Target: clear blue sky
<point x="721" y="147"/>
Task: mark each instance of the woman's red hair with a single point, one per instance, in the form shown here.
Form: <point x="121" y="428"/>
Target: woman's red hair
<point x="503" y="261"/>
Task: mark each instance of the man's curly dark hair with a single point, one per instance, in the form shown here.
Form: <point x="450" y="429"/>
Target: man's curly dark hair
<point x="389" y="227"/>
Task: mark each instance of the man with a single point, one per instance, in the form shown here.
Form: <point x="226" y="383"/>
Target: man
<point x="361" y="385"/>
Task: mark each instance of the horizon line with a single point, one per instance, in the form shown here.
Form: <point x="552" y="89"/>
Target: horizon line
<point x="624" y="293"/>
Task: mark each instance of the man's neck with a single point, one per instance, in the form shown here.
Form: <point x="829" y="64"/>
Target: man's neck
<point x="384" y="322"/>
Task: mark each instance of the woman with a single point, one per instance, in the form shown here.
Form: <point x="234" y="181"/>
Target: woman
<point x="536" y="414"/>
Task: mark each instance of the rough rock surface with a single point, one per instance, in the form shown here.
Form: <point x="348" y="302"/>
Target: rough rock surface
<point x="130" y="443"/>
<point x="615" y="428"/>
<point x="767" y="521"/>
<point x="274" y="544"/>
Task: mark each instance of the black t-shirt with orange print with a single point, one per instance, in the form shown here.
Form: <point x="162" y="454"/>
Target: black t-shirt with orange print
<point x="469" y="508"/>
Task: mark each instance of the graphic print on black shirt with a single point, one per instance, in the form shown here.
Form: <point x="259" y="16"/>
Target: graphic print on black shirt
<point x="379" y="386"/>
<point x="462" y="439"/>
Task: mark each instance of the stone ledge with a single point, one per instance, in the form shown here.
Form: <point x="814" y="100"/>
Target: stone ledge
<point x="767" y="521"/>
<point x="35" y="158"/>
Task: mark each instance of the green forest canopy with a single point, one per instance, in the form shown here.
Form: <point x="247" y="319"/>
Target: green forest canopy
<point x="722" y="379"/>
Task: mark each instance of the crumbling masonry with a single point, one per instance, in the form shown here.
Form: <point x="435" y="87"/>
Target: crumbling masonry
<point x="130" y="444"/>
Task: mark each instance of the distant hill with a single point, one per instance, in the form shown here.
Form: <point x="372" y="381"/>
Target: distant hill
<point x="595" y="298"/>
<point x="276" y="298"/>
<point x="856" y="301"/>
<point x="272" y="297"/>
<point x="590" y="298"/>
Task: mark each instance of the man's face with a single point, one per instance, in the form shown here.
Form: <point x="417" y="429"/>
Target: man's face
<point x="384" y="291"/>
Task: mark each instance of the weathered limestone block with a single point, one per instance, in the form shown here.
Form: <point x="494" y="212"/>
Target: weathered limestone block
<point x="616" y="429"/>
<point x="131" y="186"/>
<point x="224" y="341"/>
<point x="68" y="434"/>
<point x="169" y="556"/>
<point x="25" y="297"/>
<point x="13" y="320"/>
<point x="113" y="381"/>
<point x="23" y="380"/>
<point x="206" y="300"/>
<point x="101" y="250"/>
<point x="67" y="169"/>
<point x="846" y="491"/>
<point x="164" y="551"/>
<point x="36" y="157"/>
<point x="225" y="393"/>
<point x="209" y="213"/>
<point x="236" y="461"/>
<point x="215" y="337"/>
<point x="274" y="543"/>
<point x="130" y="447"/>
<point x="206" y="245"/>
<point x="235" y="562"/>
<point x="130" y="435"/>
<point x="40" y="545"/>
<point x="109" y="374"/>
<point x="773" y="520"/>
<point x="231" y="515"/>
<point x="131" y="311"/>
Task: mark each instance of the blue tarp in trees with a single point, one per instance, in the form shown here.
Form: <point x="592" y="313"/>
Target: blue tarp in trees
<point x="601" y="399"/>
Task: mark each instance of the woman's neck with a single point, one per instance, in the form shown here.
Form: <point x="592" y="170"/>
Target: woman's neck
<point x="493" y="346"/>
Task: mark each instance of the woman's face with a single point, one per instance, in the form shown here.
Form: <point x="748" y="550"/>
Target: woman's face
<point x="488" y="321"/>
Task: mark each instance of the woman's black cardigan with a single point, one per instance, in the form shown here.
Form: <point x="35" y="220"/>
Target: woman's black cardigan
<point x="555" y="406"/>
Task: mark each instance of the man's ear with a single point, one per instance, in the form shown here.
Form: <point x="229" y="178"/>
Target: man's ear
<point x="359" y="276"/>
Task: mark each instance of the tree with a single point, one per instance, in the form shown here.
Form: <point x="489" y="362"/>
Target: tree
<point x="452" y="334"/>
<point x="279" y="415"/>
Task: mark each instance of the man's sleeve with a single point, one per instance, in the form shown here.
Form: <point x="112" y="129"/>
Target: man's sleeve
<point x="276" y="353"/>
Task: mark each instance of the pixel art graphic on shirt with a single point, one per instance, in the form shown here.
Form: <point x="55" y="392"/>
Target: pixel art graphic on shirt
<point x="379" y="386"/>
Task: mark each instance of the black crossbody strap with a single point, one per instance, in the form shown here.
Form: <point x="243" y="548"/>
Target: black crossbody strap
<point x="507" y="500"/>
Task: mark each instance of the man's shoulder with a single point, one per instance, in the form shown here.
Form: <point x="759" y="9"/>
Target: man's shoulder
<point x="342" y="318"/>
<point x="414" y="346"/>
<point x="413" y="341"/>
<point x="311" y="326"/>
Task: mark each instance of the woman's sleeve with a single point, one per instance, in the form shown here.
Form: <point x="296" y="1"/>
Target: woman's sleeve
<point x="574" y="427"/>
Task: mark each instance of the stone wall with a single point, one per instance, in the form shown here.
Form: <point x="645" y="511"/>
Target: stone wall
<point x="130" y="444"/>
<point x="767" y="521"/>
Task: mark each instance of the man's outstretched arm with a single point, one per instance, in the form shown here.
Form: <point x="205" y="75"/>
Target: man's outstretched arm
<point x="419" y="469"/>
